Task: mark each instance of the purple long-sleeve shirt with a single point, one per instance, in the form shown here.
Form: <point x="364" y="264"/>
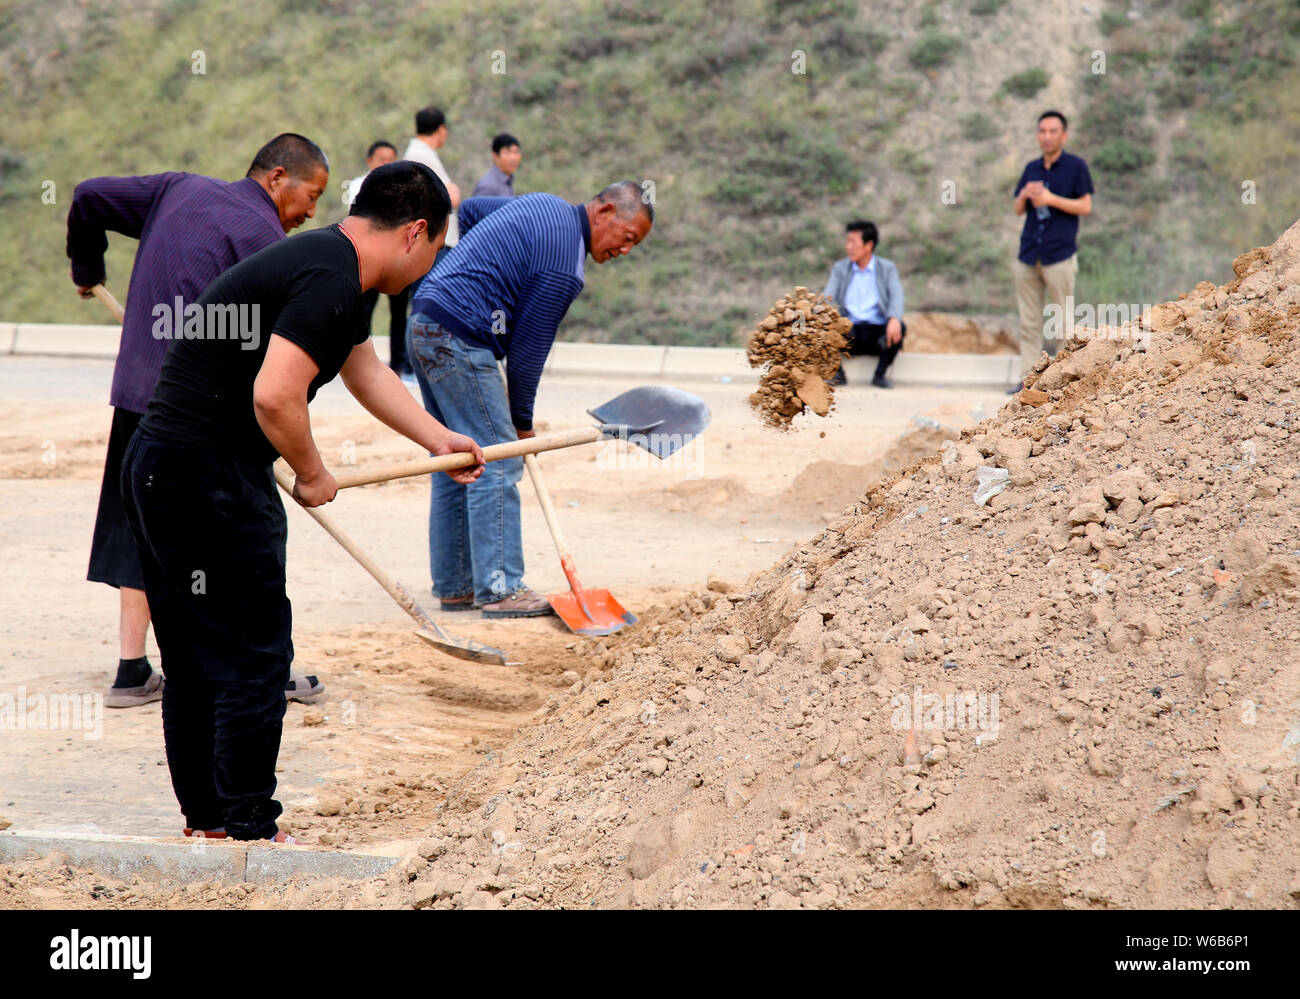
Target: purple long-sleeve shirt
<point x="191" y="229"/>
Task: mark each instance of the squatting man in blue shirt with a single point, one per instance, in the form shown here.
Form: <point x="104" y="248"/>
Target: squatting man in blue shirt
<point x="865" y="288"/>
<point x="500" y="295"/>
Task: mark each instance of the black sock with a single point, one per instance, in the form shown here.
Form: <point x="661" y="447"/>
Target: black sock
<point x="132" y="672"/>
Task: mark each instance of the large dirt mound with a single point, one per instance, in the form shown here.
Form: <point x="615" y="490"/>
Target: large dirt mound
<point x="1082" y="693"/>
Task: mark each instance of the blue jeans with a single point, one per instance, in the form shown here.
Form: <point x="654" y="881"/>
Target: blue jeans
<point x="475" y="541"/>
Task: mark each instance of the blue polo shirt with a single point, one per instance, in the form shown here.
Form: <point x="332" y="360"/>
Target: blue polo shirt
<point x="1051" y="235"/>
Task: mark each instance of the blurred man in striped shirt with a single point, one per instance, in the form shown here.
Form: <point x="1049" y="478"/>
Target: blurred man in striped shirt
<point x="500" y="295"/>
<point x="190" y="228"/>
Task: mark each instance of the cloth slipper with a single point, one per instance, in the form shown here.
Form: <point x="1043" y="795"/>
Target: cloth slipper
<point x="303" y="689"/>
<point x="130" y="697"/>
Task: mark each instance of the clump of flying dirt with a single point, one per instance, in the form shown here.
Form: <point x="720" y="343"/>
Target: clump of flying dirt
<point x="798" y="345"/>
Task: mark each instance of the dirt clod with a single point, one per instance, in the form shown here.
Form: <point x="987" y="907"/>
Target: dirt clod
<point x="798" y="345"/>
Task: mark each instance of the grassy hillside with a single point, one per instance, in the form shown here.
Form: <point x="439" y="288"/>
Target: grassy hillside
<point x="755" y="166"/>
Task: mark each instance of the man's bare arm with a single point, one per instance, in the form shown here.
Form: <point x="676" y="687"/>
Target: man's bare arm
<point x="1074" y="206"/>
<point x="1022" y="199"/>
<point x="376" y="386"/>
<point x="280" y="405"/>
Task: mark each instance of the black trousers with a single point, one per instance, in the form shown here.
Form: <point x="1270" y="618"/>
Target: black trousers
<point x="211" y="534"/>
<point x="396" y="324"/>
<point x="869" y="338"/>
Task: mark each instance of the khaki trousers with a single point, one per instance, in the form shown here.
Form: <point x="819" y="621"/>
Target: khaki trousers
<point x="1036" y="286"/>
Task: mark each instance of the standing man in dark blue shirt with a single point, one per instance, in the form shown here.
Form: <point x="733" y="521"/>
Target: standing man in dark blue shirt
<point x="500" y="297"/>
<point x="1053" y="191"/>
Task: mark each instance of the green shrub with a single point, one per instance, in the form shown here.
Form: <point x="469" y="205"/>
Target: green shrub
<point x="1026" y="83"/>
<point x="779" y="169"/>
<point x="934" y="49"/>
<point x="1122" y="156"/>
<point x="978" y="127"/>
<point x="1111" y="21"/>
<point x="986" y="8"/>
<point x="536" y="88"/>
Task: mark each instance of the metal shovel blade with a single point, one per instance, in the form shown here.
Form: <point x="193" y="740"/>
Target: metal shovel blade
<point x="660" y="419"/>
<point x="597" y="613"/>
<point x="462" y="648"/>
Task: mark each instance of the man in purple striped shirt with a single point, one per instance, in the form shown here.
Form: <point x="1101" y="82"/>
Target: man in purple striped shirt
<point x="191" y="229"/>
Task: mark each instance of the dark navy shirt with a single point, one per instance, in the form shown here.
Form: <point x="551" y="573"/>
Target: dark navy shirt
<point x="1053" y="238"/>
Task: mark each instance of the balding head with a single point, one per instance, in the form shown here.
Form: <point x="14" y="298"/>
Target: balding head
<point x="621" y="216"/>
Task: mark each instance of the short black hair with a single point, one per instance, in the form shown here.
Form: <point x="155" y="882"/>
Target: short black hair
<point x="429" y="120"/>
<point x="868" y="230"/>
<point x="299" y="156"/>
<point x="1065" y="125"/>
<point x="381" y="144"/>
<point x="503" y="141"/>
<point x="401" y="192"/>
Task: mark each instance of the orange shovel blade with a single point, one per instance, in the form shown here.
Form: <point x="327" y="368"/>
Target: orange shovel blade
<point x="607" y="614"/>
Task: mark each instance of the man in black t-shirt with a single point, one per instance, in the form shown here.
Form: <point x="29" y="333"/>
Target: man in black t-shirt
<point x="199" y="491"/>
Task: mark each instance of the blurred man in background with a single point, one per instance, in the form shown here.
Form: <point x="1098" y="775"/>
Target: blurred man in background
<point x="430" y="136"/>
<point x="431" y="131"/>
<point x="499" y="181"/>
<point x="866" y="289"/>
<point x="1058" y="187"/>
<point x="501" y="296"/>
<point x="378" y="154"/>
<point x="190" y="228"/>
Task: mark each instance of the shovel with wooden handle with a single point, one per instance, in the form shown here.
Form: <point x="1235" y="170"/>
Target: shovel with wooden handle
<point x="461" y="648"/>
<point x="585" y="612"/>
<point x="659" y="419"/>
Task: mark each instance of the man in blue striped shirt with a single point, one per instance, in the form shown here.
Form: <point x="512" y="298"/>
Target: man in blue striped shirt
<point x="500" y="295"/>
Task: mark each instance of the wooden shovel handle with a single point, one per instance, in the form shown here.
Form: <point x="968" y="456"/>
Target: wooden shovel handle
<point x="423" y="466"/>
<point x="396" y="590"/>
<point x="110" y="303"/>
<point x="463" y="459"/>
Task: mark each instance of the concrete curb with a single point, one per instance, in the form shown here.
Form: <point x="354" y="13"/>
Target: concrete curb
<point x="191" y="860"/>
<point x="590" y="359"/>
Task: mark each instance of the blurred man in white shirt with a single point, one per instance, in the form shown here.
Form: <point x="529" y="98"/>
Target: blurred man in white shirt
<point x="378" y="154"/>
<point x="430" y="135"/>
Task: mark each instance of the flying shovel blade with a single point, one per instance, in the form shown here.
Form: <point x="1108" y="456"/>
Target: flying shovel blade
<point x="660" y="419"/>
